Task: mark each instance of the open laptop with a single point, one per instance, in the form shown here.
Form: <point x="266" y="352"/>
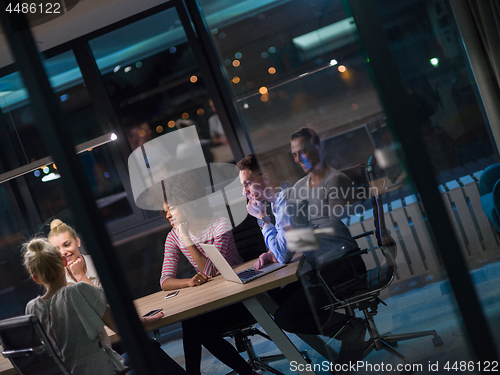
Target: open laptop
<point x="227" y="271"/>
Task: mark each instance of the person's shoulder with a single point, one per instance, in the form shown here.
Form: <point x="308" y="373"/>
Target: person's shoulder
<point x="80" y="287"/>
<point x="172" y="242"/>
<point x="81" y="290"/>
<point x="30" y="306"/>
<point x="286" y="192"/>
<point x="219" y="222"/>
<point x="77" y="286"/>
<point x="172" y="234"/>
<point x="88" y="259"/>
<point x="300" y="188"/>
<point x="337" y="177"/>
<point x="302" y="181"/>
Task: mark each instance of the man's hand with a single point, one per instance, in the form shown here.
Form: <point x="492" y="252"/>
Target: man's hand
<point x="256" y="209"/>
<point x="198" y="279"/>
<point x="76" y="268"/>
<point x="263" y="260"/>
<point x="148" y="320"/>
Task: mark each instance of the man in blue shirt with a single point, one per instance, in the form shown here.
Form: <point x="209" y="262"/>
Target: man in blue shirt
<point x="260" y="183"/>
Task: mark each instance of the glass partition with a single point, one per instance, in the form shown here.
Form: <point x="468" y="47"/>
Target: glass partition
<point x="154" y="83"/>
<point x="289" y="64"/>
<point x="31" y="188"/>
<point x="87" y="135"/>
<point x="285" y="74"/>
<point x="67" y="82"/>
<point x="302" y="66"/>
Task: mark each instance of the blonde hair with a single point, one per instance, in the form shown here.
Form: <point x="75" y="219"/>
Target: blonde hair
<point x="57" y="227"/>
<point x="43" y="260"/>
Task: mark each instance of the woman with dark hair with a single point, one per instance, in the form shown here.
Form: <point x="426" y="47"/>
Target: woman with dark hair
<point x="193" y="222"/>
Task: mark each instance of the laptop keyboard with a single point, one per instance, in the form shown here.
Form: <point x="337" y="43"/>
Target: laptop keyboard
<point x="248" y="274"/>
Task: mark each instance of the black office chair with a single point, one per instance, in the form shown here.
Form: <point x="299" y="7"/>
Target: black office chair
<point x="250" y="244"/>
<point x="362" y="292"/>
<point x="27" y="347"/>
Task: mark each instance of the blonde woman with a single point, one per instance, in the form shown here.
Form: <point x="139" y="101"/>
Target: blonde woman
<point x="73" y="316"/>
<point x="79" y="266"/>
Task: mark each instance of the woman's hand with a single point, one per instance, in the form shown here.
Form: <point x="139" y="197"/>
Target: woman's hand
<point x="149" y="320"/>
<point x="76" y="267"/>
<point x="198" y="279"/>
<point x="182" y="229"/>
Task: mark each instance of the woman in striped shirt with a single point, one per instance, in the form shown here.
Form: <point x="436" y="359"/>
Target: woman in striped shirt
<point x="185" y="237"/>
<point x="209" y="229"/>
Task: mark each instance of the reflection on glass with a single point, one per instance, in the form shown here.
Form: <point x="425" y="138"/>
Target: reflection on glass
<point x="67" y="82"/>
<point x="452" y="121"/>
<point x="300" y="69"/>
<point x="13" y="280"/>
<point x="293" y="71"/>
<point x="100" y="170"/>
<point x="24" y="138"/>
<point x="153" y="81"/>
<point x="441" y="88"/>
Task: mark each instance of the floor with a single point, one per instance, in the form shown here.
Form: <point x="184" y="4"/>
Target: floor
<point x="429" y="308"/>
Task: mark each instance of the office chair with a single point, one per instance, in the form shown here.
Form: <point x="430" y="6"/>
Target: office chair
<point x="250" y="244"/>
<point x="27" y="347"/>
<point x="489" y="190"/>
<point x="362" y="292"/>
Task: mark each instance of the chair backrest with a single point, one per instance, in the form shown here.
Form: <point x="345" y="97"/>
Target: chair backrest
<point x="489" y="189"/>
<point x="249" y="240"/>
<point x="26" y="345"/>
<point x="355" y="173"/>
<point x="382" y="234"/>
<point x="489" y="178"/>
<point x="360" y="190"/>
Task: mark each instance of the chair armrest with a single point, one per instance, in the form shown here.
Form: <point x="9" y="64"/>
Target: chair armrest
<point x="23" y="352"/>
<point x="366" y="234"/>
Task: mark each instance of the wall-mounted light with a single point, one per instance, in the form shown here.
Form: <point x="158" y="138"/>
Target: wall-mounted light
<point x="86" y="146"/>
<point x="50" y="177"/>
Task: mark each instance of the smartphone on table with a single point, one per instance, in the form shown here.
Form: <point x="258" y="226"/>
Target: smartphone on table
<point x="172" y="294"/>
<point x="152" y="312"/>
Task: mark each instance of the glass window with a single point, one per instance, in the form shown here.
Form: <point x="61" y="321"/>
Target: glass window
<point x="24" y="139"/>
<point x="16" y="289"/>
<point x="67" y="82"/>
<point x="155" y="85"/>
<point x="153" y="81"/>
<point x="284" y="74"/>
<point x="299" y="68"/>
<point x="34" y="197"/>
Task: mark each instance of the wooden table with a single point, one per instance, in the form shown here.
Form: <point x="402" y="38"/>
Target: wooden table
<point x="218" y="293"/>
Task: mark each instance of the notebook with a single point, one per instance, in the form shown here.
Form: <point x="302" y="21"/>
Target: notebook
<point x="227" y="271"/>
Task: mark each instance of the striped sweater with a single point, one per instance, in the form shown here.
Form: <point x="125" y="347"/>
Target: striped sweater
<point x="218" y="233"/>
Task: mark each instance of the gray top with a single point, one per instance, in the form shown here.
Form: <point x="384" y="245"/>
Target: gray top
<point x="326" y="203"/>
<point x="72" y="319"/>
